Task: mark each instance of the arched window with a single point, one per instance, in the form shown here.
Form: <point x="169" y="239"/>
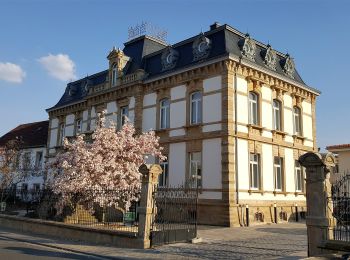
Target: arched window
<point x="114" y="75"/>
<point x="277" y="115"/>
<point x="297" y="120"/>
<point x="196" y="108"/>
<point x="164" y="113"/>
<point x="253" y="108"/>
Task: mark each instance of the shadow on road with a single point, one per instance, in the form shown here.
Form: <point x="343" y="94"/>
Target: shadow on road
<point x="40" y="252"/>
<point x="289" y="231"/>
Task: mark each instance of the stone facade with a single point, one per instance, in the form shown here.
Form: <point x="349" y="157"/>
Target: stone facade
<point x="223" y="137"/>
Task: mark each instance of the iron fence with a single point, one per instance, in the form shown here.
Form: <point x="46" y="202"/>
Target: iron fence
<point x="45" y="204"/>
<point x="339" y="207"/>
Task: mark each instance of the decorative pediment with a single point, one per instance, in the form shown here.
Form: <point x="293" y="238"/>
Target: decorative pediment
<point x="269" y="57"/>
<point x="117" y="58"/>
<point x="169" y="58"/>
<point x="72" y="90"/>
<point x="248" y="47"/>
<point x="86" y="84"/>
<point x="201" y="47"/>
<point x="288" y="66"/>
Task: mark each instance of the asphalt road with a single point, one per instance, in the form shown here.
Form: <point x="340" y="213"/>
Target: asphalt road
<point x="16" y="250"/>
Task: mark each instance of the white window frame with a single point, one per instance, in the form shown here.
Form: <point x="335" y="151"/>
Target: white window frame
<point x="277" y="114"/>
<point x="61" y="133"/>
<point x="195" y="168"/>
<point x="254" y="164"/>
<point x="114" y="75"/>
<point x="253" y="108"/>
<point x="164" y="113"/>
<point x="26" y="160"/>
<point x="299" y="176"/>
<point x="196" y="103"/>
<point x="278" y="170"/>
<point x="124" y="112"/>
<point x="78" y="126"/>
<point x="39" y="162"/>
<point x="164" y="177"/>
<point x="297" y="120"/>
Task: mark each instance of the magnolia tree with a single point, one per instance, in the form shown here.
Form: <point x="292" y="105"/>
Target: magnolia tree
<point x="104" y="171"/>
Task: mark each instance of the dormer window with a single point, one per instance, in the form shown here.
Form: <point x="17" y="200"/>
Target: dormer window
<point x="201" y="47"/>
<point x="114" y="75"/>
<point x="248" y="47"/>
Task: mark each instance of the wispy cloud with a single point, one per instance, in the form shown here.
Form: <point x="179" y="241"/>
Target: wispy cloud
<point x="59" y="66"/>
<point x="11" y="72"/>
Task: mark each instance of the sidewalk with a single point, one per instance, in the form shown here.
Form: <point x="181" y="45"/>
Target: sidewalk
<point x="282" y="241"/>
<point x="98" y="251"/>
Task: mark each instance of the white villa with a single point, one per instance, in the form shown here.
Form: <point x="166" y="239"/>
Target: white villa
<point x="233" y="115"/>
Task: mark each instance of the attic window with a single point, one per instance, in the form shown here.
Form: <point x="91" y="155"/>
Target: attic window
<point x="201" y="47"/>
<point x="269" y="57"/>
<point x="288" y="66"/>
<point x="169" y="58"/>
<point x="248" y="47"/>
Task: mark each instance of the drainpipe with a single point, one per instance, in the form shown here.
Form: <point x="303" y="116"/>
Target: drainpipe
<point x="236" y="131"/>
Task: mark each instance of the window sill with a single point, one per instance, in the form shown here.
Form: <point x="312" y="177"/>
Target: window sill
<point x="298" y="193"/>
<point x="279" y="192"/>
<point x="278" y="132"/>
<point x="162" y="130"/>
<point x="258" y="127"/>
<point x="255" y="191"/>
<point x="193" y="126"/>
<point x="298" y="137"/>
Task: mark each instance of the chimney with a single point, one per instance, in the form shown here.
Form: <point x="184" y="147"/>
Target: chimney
<point x="214" y="26"/>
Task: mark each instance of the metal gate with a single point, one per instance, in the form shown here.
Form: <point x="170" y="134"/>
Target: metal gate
<point x="339" y="204"/>
<point x="175" y="215"/>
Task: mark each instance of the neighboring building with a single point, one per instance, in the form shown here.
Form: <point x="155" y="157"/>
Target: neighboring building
<point x="32" y="139"/>
<point x="232" y="113"/>
<point x="342" y="152"/>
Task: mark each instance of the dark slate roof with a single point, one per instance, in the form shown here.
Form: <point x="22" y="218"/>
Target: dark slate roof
<point x="145" y="53"/>
<point x="30" y="135"/>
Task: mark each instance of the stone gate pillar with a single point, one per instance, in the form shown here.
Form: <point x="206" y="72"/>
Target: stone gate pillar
<point x="318" y="190"/>
<point x="150" y="175"/>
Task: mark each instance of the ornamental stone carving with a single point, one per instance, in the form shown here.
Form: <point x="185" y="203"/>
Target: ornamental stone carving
<point x="288" y="66"/>
<point x="248" y="47"/>
<point x="72" y="90"/>
<point x="201" y="47"/>
<point x="269" y="57"/>
<point x="169" y="58"/>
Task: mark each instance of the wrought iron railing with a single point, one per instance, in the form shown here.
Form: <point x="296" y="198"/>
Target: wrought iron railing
<point x="339" y="207"/>
<point x="45" y="204"/>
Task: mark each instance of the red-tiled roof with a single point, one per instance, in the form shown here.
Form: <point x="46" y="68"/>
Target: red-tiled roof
<point x="29" y="135"/>
<point x="338" y="146"/>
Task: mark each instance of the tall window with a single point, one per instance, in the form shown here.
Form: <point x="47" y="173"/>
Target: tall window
<point x="253" y="108"/>
<point x="124" y="112"/>
<point x="297" y="120"/>
<point x="278" y="173"/>
<point x="254" y="170"/>
<point x="277" y="111"/>
<point x="196" y="169"/>
<point x="61" y="134"/>
<point x="163" y="178"/>
<point x="196" y="108"/>
<point x="164" y="113"/>
<point x="26" y="160"/>
<point x="299" y="177"/>
<point x="78" y="126"/>
<point x="38" y="160"/>
<point x="114" y="75"/>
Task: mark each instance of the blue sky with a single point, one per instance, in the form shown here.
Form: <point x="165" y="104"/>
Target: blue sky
<point x="37" y="36"/>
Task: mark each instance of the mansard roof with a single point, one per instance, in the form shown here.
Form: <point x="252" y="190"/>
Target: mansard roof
<point x="148" y="54"/>
<point x="29" y="135"/>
